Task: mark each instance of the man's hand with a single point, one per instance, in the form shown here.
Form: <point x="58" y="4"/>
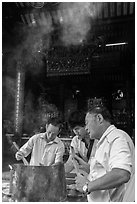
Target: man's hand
<point x="19" y="155"/>
<point x="82" y="164"/>
<point x="80" y="182"/>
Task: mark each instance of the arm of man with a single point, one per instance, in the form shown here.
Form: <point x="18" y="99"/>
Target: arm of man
<point x="59" y="154"/>
<point x="110" y="180"/>
<point x="120" y="163"/>
<point x="26" y="149"/>
<point x="74" y="144"/>
<point x="82" y="164"/>
<point x="69" y="165"/>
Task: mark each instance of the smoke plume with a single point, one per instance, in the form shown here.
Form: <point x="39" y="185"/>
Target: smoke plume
<point x="76" y="20"/>
<point x="35" y="39"/>
<point x="31" y="42"/>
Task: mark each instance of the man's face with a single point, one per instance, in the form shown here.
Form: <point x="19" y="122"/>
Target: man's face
<point x="52" y="132"/>
<point x="92" y="125"/>
<point x="80" y="132"/>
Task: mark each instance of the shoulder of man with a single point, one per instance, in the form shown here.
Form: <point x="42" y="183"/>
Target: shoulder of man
<point x="37" y="136"/>
<point x="117" y="134"/>
<point x="75" y="138"/>
<point x="58" y="140"/>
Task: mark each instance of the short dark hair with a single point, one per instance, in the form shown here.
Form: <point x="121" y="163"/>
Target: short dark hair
<point x="103" y="110"/>
<point x="77" y="118"/>
<point x="55" y="121"/>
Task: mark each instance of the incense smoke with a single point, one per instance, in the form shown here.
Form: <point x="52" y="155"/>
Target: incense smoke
<point x="30" y="42"/>
<point x="35" y="39"/>
<point x="76" y="20"/>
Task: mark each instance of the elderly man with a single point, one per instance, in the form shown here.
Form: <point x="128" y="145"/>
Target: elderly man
<point x="113" y="164"/>
<point x="45" y="148"/>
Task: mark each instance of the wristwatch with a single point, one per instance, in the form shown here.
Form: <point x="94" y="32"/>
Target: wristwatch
<point x="85" y="188"/>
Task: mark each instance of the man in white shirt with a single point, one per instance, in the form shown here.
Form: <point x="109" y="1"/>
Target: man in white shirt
<point x="45" y="148"/>
<point x="112" y="166"/>
<point x="81" y="143"/>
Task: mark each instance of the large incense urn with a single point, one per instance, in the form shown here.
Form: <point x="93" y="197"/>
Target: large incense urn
<point x="38" y="183"/>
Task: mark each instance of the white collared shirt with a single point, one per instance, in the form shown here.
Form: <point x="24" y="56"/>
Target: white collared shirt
<point x="43" y="152"/>
<point x="79" y="146"/>
<point x="115" y="149"/>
